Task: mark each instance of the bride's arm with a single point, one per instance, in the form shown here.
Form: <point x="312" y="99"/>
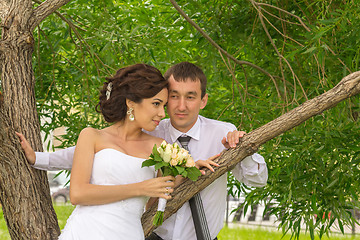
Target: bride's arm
<point x="84" y="193"/>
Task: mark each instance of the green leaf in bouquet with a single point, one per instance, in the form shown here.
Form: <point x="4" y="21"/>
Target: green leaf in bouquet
<point x="159" y="165"/>
<point x="166" y="171"/>
<point x="154" y="150"/>
<point x="148" y="162"/>
<point x="180" y="169"/>
<point x="174" y="171"/>
<point x="193" y="173"/>
<point x="156" y="154"/>
<point x="158" y="158"/>
<point x="184" y="174"/>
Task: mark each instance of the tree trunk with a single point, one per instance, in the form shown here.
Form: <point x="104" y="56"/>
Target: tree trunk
<point x="25" y="193"/>
<point x="347" y="87"/>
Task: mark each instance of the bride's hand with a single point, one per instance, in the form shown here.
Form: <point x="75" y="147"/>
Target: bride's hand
<point x="207" y="164"/>
<point x="29" y="152"/>
<point x="158" y="187"/>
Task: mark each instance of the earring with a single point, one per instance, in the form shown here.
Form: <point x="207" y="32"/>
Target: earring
<point x="131" y="115"/>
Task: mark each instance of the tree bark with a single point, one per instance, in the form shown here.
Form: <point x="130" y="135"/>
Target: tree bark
<point x="347" y="87"/>
<point x="25" y="194"/>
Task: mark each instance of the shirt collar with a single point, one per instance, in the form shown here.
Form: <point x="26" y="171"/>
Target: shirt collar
<point x="194" y="132"/>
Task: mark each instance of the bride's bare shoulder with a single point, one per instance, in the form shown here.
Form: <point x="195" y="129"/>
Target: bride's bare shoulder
<point x="154" y="140"/>
<point x="89" y="132"/>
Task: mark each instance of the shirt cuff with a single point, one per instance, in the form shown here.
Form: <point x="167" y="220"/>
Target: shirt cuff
<point x="252" y="171"/>
<point x="256" y="158"/>
<point x="42" y="160"/>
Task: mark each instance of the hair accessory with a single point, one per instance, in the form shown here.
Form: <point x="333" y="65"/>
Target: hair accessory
<point x="108" y="90"/>
<point x="131" y="115"/>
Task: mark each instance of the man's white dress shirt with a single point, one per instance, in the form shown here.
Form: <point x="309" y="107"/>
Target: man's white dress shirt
<point x="205" y="142"/>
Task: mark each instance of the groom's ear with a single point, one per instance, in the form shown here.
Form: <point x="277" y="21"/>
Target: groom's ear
<point x="204" y="101"/>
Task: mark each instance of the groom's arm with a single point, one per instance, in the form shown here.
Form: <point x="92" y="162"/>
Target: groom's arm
<point x="252" y="170"/>
<point x="59" y="160"/>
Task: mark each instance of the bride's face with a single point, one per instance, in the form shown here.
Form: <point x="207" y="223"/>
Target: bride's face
<point x="150" y="111"/>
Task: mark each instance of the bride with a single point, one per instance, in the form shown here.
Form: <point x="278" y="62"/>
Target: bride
<point x="108" y="184"/>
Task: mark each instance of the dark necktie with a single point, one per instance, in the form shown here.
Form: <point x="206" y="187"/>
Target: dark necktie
<point x="196" y="205"/>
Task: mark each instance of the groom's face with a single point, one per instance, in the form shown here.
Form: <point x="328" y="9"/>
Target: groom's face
<point x="184" y="103"/>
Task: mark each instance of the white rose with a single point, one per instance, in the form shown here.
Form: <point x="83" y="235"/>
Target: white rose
<point x="160" y="151"/>
<point x="174" y="155"/>
<point x="174" y="161"/>
<point x="190" y="162"/>
<point x="185" y="152"/>
<point x="167" y="153"/>
<point x="176" y="146"/>
<point x="174" y="150"/>
<point x="182" y="155"/>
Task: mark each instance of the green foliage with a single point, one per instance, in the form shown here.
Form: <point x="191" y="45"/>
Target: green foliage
<point x="242" y="233"/>
<point x="315" y="174"/>
<point x="313" y="169"/>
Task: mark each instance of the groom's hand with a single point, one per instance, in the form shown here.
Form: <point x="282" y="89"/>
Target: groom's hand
<point x="25" y="145"/>
<point x="232" y="138"/>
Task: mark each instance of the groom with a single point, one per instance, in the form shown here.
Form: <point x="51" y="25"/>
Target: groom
<point x="187" y="95"/>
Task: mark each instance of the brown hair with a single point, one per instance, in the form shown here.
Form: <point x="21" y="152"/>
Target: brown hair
<point x="135" y="83"/>
<point x="184" y="70"/>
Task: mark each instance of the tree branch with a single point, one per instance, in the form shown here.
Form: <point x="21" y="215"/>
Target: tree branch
<point x="182" y="13"/>
<point x="261" y="17"/>
<point x="74" y="28"/>
<point x="347" y="87"/>
<point x="45" y="9"/>
<point x="289" y="13"/>
<point x="300" y="24"/>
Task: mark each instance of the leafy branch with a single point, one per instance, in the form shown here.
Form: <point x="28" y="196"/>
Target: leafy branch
<point x="206" y="36"/>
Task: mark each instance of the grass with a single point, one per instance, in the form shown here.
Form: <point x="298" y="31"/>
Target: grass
<point x="239" y="233"/>
<point x="62" y="212"/>
<point x="245" y="233"/>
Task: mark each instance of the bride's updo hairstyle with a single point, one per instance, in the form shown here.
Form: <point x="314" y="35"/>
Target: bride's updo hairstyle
<point x="135" y="82"/>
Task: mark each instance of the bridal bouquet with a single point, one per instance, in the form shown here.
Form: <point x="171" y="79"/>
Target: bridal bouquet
<point x="172" y="160"/>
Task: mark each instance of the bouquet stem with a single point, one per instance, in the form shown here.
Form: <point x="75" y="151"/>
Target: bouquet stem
<point x="159" y="216"/>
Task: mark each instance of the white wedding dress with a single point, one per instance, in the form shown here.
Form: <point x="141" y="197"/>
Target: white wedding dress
<point x="119" y="220"/>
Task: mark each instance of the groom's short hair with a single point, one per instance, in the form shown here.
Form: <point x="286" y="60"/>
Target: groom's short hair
<point x="185" y="70"/>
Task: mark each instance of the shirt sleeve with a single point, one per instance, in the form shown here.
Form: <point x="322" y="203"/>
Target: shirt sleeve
<point x="252" y="171"/>
<point x="59" y="160"/>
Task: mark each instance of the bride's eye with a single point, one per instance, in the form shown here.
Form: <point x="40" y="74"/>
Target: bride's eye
<point x="156" y="103"/>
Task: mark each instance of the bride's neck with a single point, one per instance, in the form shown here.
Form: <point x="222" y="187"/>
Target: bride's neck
<point x="127" y="131"/>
